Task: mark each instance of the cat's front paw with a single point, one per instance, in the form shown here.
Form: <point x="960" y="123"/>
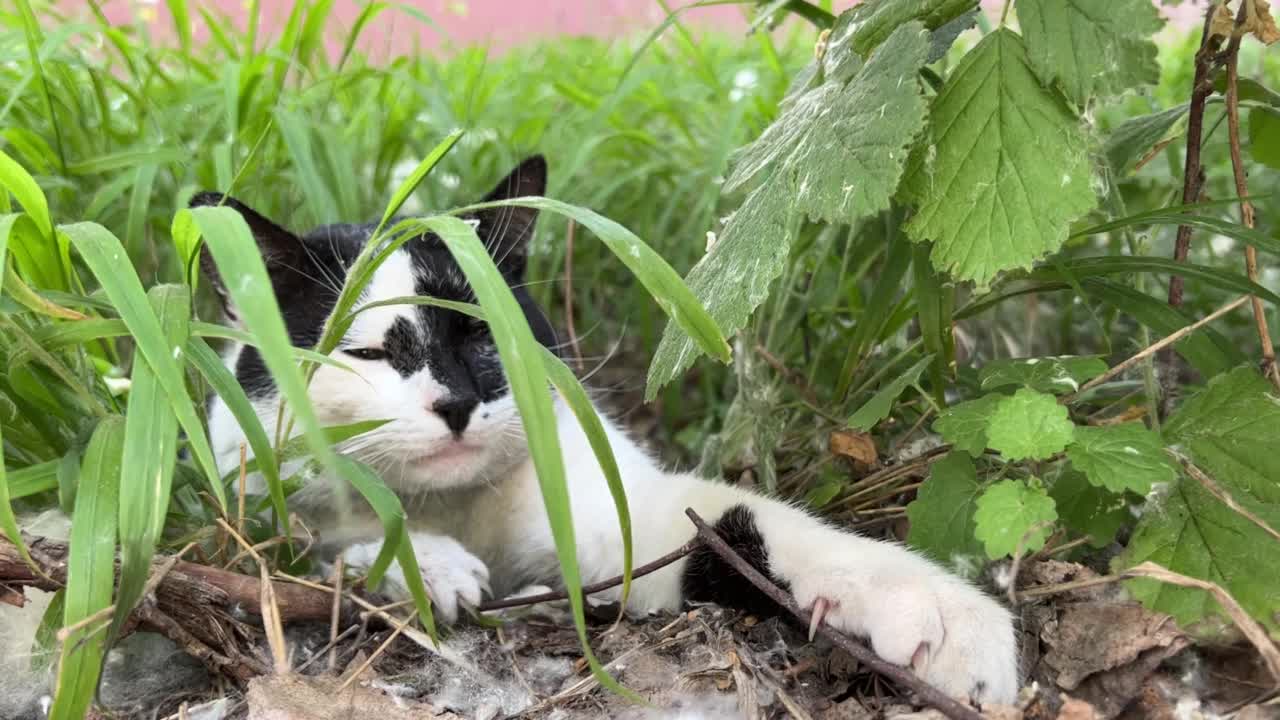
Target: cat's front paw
<point x="452" y="575"/>
<point x="948" y="632"/>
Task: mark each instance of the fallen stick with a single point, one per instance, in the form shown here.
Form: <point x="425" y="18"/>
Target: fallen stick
<point x="930" y="695"/>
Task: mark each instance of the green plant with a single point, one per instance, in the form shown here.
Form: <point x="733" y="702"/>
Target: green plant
<point x="904" y="201"/>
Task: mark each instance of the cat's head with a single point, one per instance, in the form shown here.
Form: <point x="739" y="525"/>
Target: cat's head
<point x="434" y="373"/>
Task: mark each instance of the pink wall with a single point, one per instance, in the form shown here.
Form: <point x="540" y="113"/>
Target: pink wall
<point x="497" y="23"/>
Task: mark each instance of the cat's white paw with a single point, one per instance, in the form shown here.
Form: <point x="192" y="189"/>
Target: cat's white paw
<point x="948" y="632"/>
<point x="452" y="575"/>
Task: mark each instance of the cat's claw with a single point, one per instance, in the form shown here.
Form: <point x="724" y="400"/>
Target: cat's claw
<point x="820" y="607"/>
<point x="454" y="578"/>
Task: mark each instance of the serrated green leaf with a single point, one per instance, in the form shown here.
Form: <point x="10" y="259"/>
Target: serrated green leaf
<point x="835" y="153"/>
<point x="878" y="407"/>
<point x="1013" y="511"/>
<point x="1121" y="457"/>
<point x="838" y="150"/>
<point x="964" y="425"/>
<point x="1088" y="509"/>
<point x="1029" y="425"/>
<point x="942" y="515"/>
<point x="1135" y="137"/>
<point x="1091" y="47"/>
<point x="1229" y="430"/>
<point x="1003" y="169"/>
<point x="1264" y="136"/>
<point x="1055" y="375"/>
<point x="869" y="23"/>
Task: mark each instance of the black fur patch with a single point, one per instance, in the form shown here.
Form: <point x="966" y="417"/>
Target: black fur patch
<point x="707" y="578"/>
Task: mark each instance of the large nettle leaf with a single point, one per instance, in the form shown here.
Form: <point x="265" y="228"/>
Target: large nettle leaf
<point x="1229" y="431"/>
<point x="1087" y="508"/>
<point x="942" y="515"/>
<point x="1091" y="47"/>
<point x="836" y="153"/>
<point x="867" y="24"/>
<point x="1057" y="375"/>
<point x="1003" y="170"/>
<point x="1122" y="457"/>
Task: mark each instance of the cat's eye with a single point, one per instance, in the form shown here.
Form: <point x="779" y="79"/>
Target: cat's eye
<point x="371" y="354"/>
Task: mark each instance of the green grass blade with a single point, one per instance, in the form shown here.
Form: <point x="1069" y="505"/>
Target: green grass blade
<point x="8" y="521"/>
<point x="416" y="177"/>
<point x="297" y="139"/>
<point x="90" y="570"/>
<point x="1172" y="216"/>
<point x="181" y="23"/>
<point x="663" y="283"/>
<point x="297" y="447"/>
<point x="396" y="544"/>
<point x="375" y="251"/>
<point x="105" y="256"/>
<point x="237" y="256"/>
<point x="1121" y="264"/>
<point x="23" y="187"/>
<point x="150" y="453"/>
<point x="207" y="362"/>
<point x="576" y="398"/>
<point x="521" y="359"/>
<point x="33" y="480"/>
<point x="370" y="11"/>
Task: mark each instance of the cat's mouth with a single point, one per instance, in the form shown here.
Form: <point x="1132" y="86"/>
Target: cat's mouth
<point x="452" y="450"/>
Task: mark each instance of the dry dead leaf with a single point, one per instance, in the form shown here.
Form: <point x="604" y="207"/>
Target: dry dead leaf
<point x="855" y="445"/>
<point x="1089" y="638"/>
<point x="294" y="697"/>
<point x="1258" y="21"/>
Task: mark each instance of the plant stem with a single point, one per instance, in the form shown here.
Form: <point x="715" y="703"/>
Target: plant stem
<point x="1242" y="190"/>
<point x="1192" y="181"/>
<point x="1004" y="13"/>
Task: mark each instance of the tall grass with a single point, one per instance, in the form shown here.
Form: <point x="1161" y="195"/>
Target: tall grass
<point x="117" y="137"/>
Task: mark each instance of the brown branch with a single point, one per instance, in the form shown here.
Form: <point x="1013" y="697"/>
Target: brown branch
<point x="203" y="584"/>
<point x="1242" y="190"/>
<point x="1193" y="174"/>
<point x="929" y="694"/>
<point x="1158" y="345"/>
<point x="603" y="585"/>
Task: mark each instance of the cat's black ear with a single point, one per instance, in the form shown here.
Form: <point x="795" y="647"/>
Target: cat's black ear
<point x="506" y="230"/>
<point x="281" y="250"/>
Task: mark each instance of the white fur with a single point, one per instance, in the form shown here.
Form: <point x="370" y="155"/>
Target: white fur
<point x="481" y="507"/>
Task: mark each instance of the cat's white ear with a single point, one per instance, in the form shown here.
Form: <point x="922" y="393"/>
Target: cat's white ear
<point x="506" y="231"/>
<point x="281" y="250"/>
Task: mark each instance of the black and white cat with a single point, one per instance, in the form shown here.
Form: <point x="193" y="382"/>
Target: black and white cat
<point x="455" y="453"/>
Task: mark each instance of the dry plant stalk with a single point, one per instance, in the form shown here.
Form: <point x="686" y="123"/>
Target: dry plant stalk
<point x="1251" y="629"/>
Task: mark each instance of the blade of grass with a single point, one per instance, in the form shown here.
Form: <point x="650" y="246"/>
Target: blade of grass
<point x="665" y="285"/>
<point x="150" y="453"/>
<point x="207" y="362"/>
<point x="520" y="355"/>
<point x="8" y="521"/>
<point x="90" y="570"/>
<point x="106" y="258"/>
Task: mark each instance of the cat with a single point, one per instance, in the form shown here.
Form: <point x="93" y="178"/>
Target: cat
<point x="454" y="451"/>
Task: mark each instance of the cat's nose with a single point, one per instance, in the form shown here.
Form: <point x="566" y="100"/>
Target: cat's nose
<point x="456" y="412"/>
